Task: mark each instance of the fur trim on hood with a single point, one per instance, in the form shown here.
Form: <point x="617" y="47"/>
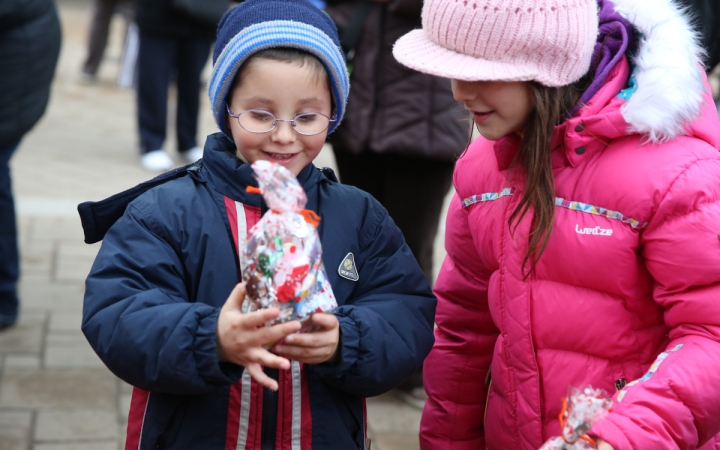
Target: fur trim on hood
<point x="668" y="69"/>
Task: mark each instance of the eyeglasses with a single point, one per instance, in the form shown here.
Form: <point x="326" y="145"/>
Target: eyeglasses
<point x="260" y="121"/>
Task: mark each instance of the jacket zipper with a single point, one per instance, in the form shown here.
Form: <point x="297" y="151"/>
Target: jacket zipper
<point x="269" y="414"/>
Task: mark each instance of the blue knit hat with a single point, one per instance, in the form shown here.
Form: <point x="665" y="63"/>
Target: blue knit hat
<point x="257" y="25"/>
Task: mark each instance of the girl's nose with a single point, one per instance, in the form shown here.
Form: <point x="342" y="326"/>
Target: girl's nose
<point x="284" y="133"/>
<point x="464" y="91"/>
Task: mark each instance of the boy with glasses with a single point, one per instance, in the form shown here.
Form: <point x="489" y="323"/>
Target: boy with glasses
<point x="163" y="303"/>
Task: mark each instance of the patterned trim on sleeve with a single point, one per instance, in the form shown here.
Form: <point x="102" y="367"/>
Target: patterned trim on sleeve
<point x="653" y="368"/>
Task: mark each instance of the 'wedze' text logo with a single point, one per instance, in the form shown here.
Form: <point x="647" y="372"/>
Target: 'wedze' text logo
<point x="597" y="230"/>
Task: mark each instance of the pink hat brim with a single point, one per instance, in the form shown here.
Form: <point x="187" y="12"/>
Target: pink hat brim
<point x="416" y="51"/>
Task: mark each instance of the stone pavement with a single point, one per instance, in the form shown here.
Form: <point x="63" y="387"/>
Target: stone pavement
<point x="55" y="394"/>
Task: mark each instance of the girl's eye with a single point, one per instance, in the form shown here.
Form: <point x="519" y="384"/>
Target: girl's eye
<point x="306" y="118"/>
<point x="262" y="116"/>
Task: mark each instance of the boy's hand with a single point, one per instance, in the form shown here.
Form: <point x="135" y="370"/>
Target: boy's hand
<point x="240" y="337"/>
<point x="315" y="347"/>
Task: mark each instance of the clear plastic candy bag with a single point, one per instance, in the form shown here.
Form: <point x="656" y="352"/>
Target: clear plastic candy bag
<point x="282" y="261"/>
<point x="581" y="409"/>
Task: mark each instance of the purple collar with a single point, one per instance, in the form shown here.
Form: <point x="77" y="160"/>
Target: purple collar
<point x="614" y="36"/>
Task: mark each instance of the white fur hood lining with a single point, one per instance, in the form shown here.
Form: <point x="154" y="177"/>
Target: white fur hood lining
<point x="668" y="69"/>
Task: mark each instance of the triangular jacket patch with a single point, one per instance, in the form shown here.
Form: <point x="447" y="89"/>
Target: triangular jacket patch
<point x="347" y="268"/>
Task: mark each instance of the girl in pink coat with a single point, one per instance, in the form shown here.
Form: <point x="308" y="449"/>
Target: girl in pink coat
<point x="582" y="244"/>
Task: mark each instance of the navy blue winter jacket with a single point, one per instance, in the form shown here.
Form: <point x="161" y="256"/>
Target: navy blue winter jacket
<point x="168" y="264"/>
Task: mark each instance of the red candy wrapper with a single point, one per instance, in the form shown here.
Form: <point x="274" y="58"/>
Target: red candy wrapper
<point x="282" y="262"/>
<point x="581" y="409"/>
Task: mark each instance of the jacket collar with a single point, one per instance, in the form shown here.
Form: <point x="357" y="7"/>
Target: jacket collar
<point x="597" y="123"/>
<point x="230" y="176"/>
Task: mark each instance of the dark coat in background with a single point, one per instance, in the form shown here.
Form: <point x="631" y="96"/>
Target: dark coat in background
<point x="30" y="39"/>
<point x="393" y="109"/>
<point x="706" y="15"/>
<point x="158" y="17"/>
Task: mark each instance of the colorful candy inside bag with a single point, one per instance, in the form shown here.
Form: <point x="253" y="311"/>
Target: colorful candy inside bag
<point x="283" y="265"/>
<point x="581" y="409"/>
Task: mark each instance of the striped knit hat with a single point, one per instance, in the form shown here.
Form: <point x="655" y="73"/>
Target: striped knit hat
<point x="257" y="25"/>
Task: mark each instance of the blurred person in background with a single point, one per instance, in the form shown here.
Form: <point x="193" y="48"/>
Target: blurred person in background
<point x="173" y="44"/>
<point x="706" y="18"/>
<point x="30" y="39"/>
<point x="103" y="11"/>
<point x="403" y="130"/>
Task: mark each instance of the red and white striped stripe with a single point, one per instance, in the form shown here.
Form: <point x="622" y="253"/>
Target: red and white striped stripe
<point x="136" y="418"/>
<point x="245" y="407"/>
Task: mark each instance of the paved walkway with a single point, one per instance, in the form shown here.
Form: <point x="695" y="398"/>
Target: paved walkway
<point x="55" y="394"/>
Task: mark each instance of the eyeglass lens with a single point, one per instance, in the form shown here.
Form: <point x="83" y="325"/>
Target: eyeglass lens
<point x="257" y="121"/>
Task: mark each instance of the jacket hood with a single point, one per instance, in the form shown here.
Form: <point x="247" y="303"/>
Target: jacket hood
<point x="668" y="70"/>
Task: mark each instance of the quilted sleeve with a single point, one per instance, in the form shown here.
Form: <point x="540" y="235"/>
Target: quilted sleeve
<point x="677" y="403"/>
<point x="464" y="340"/>
<point x="138" y="319"/>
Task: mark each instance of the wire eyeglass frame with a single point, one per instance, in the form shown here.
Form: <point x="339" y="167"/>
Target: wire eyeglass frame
<point x="275" y="122"/>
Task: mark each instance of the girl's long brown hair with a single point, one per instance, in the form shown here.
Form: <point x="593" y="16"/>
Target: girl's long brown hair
<point x="550" y="108"/>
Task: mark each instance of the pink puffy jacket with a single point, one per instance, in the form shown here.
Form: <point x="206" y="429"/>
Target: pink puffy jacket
<point x="631" y="276"/>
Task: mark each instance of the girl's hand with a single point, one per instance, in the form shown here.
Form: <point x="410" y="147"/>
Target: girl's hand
<point x="240" y="337"/>
<point x="602" y="445"/>
<point x="315" y="347"/>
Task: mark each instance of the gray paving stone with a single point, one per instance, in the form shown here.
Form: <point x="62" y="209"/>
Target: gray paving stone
<point x="52" y="229"/>
<point x="70" y="351"/>
<point x="124" y="406"/>
<point x="74" y="261"/>
<point x="25" y="336"/>
<point x="19" y="419"/>
<point x="58" y="388"/>
<point x="124" y="387"/>
<point x="122" y="431"/>
<point x="14" y="439"/>
<point x="99" y="445"/>
<point x="23" y="227"/>
<point x="75" y="425"/>
<point x="24" y="361"/>
<point x="35" y="278"/>
<point x="35" y="262"/>
<point x="15" y="430"/>
<point x="395" y="441"/>
<point x="72" y="338"/>
<point x="36" y="246"/>
<point x="65" y="321"/>
<point x="388" y="414"/>
<point x="66" y="297"/>
<point x="39" y="208"/>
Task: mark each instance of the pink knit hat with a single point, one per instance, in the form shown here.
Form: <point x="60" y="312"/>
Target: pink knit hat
<point x="549" y="41"/>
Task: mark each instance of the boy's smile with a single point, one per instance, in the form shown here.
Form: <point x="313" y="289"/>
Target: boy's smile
<point x="284" y="89"/>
